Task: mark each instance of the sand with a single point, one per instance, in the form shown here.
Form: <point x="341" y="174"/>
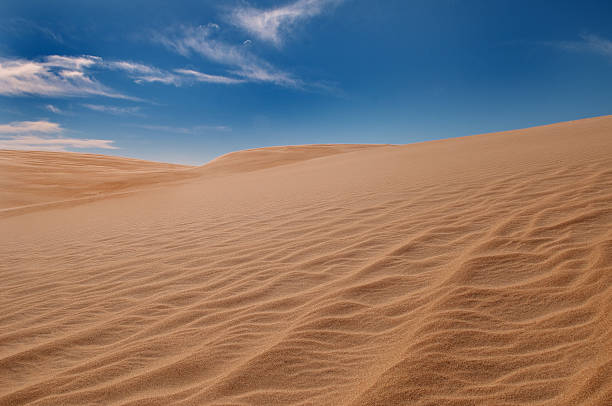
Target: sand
<point x="468" y="271"/>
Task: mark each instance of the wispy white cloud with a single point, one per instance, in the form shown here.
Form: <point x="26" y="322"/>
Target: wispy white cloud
<point x="37" y="135"/>
<point x="141" y="73"/>
<point x="53" y="76"/>
<point x="21" y="127"/>
<point x="37" y="143"/>
<point x="132" y="67"/>
<point x="53" y="109"/>
<point x="273" y="24"/>
<point x="184" y="130"/>
<point x="205" y="77"/>
<point x="116" y="110"/>
<point x="58" y="76"/>
<point x="241" y="62"/>
<point x="73" y="63"/>
<point x="21" y="26"/>
<point x="178" y="77"/>
<point x="589" y="43"/>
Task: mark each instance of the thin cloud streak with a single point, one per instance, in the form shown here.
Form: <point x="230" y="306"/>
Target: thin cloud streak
<point x="141" y="73"/>
<point x="22" y="26"/>
<point x="21" y="127"/>
<point x="36" y="143"/>
<point x="179" y="77"/>
<point x="53" y="109"/>
<point x="119" y="111"/>
<point x="68" y="76"/>
<point x="589" y="43"/>
<point x="242" y="63"/>
<point x="34" y="135"/>
<point x="184" y="130"/>
<point x="205" y="77"/>
<point x="53" y="76"/>
<point x="273" y="24"/>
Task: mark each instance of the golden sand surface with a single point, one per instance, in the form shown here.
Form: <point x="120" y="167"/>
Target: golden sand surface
<point x="467" y="271"/>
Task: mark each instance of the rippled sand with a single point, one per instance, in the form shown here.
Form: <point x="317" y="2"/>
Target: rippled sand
<point x="469" y="271"/>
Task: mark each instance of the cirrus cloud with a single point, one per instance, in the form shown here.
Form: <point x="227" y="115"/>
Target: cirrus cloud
<point x="243" y="65"/>
<point x="116" y="110"/>
<point x="141" y="73"/>
<point x="272" y="24"/>
<point x="53" y="109"/>
<point x="36" y="143"/>
<point x="36" y="136"/>
<point x="205" y="77"/>
<point x="589" y="43"/>
<point x="54" y="75"/>
<point x="21" y="127"/>
<point x="70" y="76"/>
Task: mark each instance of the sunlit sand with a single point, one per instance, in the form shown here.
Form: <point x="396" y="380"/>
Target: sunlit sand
<point x="467" y="271"/>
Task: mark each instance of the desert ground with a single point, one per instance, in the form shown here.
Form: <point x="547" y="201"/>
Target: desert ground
<point x="466" y="271"/>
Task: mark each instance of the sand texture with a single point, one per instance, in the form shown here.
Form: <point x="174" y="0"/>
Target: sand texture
<point x="468" y="271"/>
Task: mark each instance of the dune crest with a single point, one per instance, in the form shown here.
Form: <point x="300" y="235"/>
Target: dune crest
<point x="36" y="180"/>
<point x="468" y="271"/>
<point x="270" y="157"/>
<point x="30" y="178"/>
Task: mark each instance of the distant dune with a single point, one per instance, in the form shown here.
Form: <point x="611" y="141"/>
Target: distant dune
<point x="468" y="271"/>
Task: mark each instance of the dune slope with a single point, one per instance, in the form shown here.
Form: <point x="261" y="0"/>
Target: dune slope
<point x="35" y="180"/>
<point x="469" y="271"/>
<point x="38" y="178"/>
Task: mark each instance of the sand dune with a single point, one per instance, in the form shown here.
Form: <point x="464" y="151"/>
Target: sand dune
<point x="35" y="180"/>
<point x="31" y="178"/>
<point x="469" y="271"/>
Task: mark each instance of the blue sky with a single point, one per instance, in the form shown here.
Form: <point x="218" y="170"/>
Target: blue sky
<point x="186" y="81"/>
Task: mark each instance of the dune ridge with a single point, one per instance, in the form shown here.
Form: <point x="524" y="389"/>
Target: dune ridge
<point x="38" y="178"/>
<point x="468" y="271"/>
<point x="35" y="180"/>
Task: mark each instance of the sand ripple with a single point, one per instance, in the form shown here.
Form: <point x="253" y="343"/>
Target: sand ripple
<point x="473" y="271"/>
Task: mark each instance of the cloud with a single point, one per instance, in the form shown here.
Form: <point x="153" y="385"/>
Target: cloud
<point x="21" y="26"/>
<point x="184" y="130"/>
<point x="113" y="109"/>
<point x="143" y="73"/>
<point x="53" y="109"/>
<point x="132" y="67"/>
<point x="20" y="127"/>
<point x="204" y="77"/>
<point x="241" y="62"/>
<point x="73" y="63"/>
<point x="37" y="143"/>
<point x="57" y="76"/>
<point x="588" y="43"/>
<point x="53" y="76"/>
<point x="272" y="24"/>
<point x="179" y="77"/>
<point x="35" y="135"/>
